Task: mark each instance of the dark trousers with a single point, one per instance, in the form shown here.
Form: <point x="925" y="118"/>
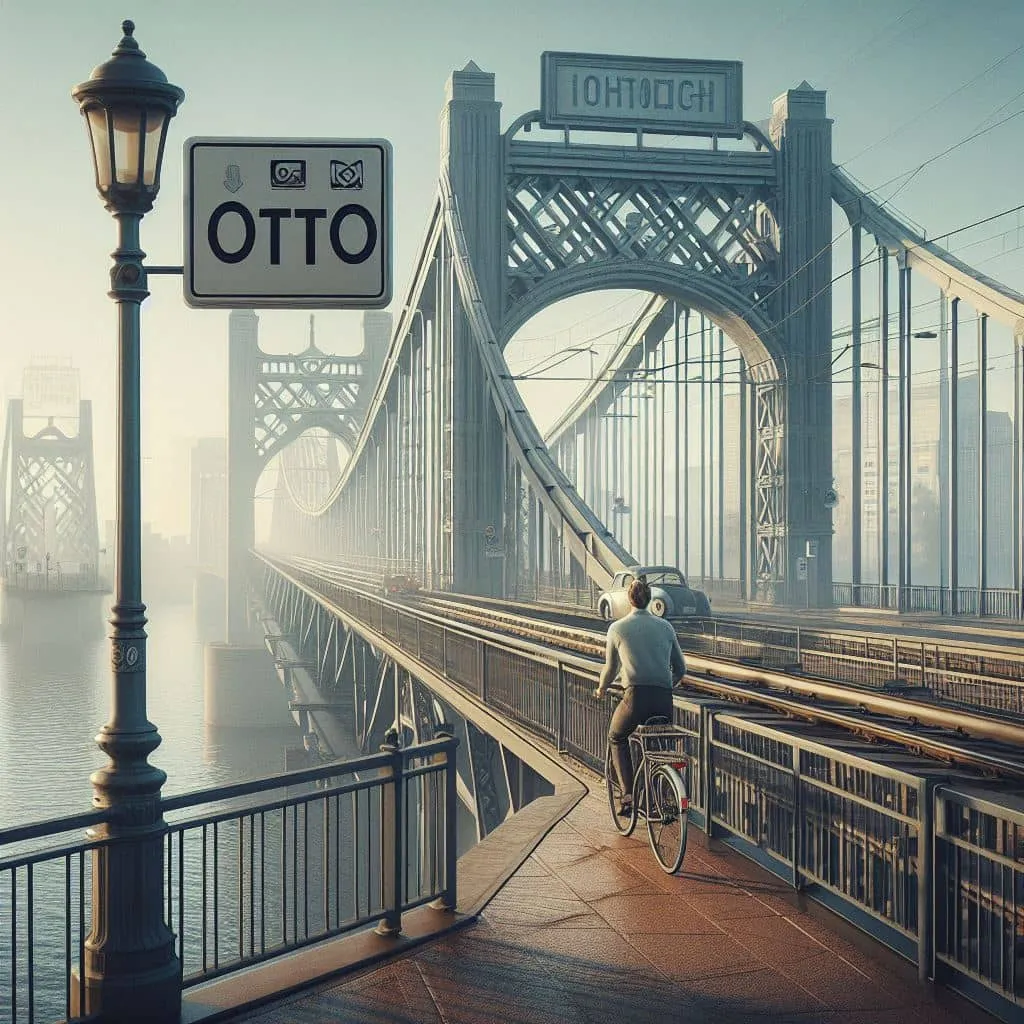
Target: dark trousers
<point x="639" y="704"/>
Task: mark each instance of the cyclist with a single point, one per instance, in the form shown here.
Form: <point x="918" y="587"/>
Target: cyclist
<point x="646" y="651"/>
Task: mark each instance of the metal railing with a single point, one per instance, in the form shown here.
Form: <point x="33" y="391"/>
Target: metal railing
<point x="995" y="602"/>
<point x="952" y="672"/>
<point x="252" y="871"/>
<point x="851" y="823"/>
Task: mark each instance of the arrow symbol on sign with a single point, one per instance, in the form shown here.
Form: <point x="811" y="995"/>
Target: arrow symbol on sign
<point x="232" y="178"/>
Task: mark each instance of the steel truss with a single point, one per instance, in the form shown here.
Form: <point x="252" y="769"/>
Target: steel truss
<point x="371" y="693"/>
<point x="48" y="490"/>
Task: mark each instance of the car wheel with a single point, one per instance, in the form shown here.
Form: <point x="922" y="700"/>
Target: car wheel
<point x="605" y="610"/>
<point x="658" y="607"/>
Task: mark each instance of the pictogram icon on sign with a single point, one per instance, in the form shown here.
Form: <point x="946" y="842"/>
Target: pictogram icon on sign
<point x="345" y="175"/>
<point x="287" y="173"/>
<point x="232" y="178"/>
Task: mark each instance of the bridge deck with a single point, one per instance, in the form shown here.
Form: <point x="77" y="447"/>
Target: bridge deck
<point x="590" y="930"/>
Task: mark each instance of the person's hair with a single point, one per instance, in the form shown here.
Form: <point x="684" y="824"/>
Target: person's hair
<point x="639" y="594"/>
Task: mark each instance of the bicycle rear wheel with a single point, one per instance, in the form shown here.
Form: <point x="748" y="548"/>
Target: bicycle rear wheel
<point x="624" y="824"/>
<point x="667" y="817"/>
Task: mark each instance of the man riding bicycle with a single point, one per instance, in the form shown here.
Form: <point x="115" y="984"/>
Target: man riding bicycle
<point x="646" y="651"/>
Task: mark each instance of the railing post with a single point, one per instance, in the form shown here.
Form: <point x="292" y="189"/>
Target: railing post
<point x="392" y="854"/>
<point x="448" y="898"/>
<point x="481" y="668"/>
<point x="925" y="886"/>
<point x="895" y="659"/>
<point x="798" y="822"/>
<point x="560" y="709"/>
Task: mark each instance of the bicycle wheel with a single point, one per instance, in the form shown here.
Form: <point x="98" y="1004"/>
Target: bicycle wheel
<point x="667" y="817"/>
<point x="623" y="824"/>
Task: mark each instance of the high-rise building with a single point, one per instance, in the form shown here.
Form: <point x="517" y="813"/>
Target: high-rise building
<point x="929" y="530"/>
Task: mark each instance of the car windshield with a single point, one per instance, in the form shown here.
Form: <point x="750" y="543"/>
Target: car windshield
<point x="663" y="578"/>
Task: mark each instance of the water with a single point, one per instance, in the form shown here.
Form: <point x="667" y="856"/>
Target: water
<point x="54" y="698"/>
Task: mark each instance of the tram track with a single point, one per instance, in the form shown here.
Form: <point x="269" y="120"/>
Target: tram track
<point x="991" y="744"/>
<point x="985" y="742"/>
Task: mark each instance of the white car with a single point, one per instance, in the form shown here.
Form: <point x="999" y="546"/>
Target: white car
<point x="671" y="598"/>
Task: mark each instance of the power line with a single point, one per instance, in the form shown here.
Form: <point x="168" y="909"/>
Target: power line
<point x="935" y="106"/>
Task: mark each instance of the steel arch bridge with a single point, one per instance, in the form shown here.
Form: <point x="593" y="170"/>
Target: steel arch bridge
<point x="449" y="474"/>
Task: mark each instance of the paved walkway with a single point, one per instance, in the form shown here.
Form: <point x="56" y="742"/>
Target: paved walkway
<point x="589" y="930"/>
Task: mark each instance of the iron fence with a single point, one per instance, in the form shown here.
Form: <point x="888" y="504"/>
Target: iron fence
<point x="893" y="842"/>
<point x="252" y="871"/>
<point x="976" y="677"/>
<point x="979" y="894"/>
<point x="997" y="602"/>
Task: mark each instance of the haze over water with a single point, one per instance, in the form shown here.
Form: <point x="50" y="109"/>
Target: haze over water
<point x="55" y="697"/>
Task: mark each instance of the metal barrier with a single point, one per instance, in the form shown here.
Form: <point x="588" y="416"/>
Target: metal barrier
<point x="997" y="602"/>
<point x="979" y="895"/>
<point x="975" y="677"/>
<point x="853" y="824"/>
<point x="333" y="849"/>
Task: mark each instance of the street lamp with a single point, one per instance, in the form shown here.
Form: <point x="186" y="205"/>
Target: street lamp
<point x="129" y="964"/>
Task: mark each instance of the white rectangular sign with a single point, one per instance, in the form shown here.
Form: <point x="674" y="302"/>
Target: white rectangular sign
<point x="288" y="223"/>
<point x="603" y="92"/>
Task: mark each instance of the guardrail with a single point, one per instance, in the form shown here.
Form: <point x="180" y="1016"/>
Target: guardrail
<point x="252" y="871"/>
<point x="998" y="602"/>
<point x="852" y="824"/>
<point x="951" y="672"/>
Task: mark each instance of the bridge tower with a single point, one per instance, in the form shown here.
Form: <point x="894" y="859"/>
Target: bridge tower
<point x="272" y="401"/>
<point x="50" y="537"/>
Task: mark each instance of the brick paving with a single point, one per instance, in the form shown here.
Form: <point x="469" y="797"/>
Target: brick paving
<point x="589" y="930"/>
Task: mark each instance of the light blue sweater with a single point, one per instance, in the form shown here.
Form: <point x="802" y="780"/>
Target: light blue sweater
<point x="645" y="649"/>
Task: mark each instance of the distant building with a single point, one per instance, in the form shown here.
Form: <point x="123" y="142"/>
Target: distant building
<point x="928" y="473"/>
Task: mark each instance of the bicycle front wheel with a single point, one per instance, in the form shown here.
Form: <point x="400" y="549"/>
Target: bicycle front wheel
<point x="624" y="824"/>
<point x="667" y="817"/>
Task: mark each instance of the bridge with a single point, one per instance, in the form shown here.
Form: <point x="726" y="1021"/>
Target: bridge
<point x="871" y="772"/>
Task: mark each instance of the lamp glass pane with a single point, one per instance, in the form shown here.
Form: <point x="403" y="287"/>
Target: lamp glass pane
<point x="97" y="122"/>
<point x="155" y="119"/>
<point x="127" y="137"/>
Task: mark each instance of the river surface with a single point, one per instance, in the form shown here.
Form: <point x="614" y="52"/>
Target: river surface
<point x="55" y="685"/>
<point x="55" y="696"/>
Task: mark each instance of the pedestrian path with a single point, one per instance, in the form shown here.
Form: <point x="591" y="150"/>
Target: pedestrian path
<point x="589" y="930"/>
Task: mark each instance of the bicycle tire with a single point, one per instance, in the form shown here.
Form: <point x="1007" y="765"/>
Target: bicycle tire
<point x="623" y="825"/>
<point x="667" y="818"/>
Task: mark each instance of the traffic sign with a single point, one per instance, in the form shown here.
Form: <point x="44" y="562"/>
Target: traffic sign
<point x="288" y="223"/>
<point x="801" y="568"/>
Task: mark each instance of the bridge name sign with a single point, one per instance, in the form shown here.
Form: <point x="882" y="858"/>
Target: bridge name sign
<point x="598" y="92"/>
<point x="288" y="223"/>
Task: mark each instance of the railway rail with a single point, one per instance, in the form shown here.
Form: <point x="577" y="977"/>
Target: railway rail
<point x="991" y="744"/>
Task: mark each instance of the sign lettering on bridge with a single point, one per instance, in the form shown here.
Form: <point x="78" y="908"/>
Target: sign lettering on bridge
<point x="288" y="223"/>
<point x="598" y="92"/>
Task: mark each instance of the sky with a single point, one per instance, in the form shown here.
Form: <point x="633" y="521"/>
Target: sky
<point x="905" y="80"/>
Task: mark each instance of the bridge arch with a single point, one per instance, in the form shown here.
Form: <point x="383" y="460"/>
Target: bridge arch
<point x="751" y="331"/>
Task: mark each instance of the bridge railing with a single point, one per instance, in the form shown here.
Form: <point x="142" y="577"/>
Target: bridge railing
<point x="951" y="672"/>
<point x="252" y="871"/>
<point x="996" y="602"/>
<point x="851" y="823"/>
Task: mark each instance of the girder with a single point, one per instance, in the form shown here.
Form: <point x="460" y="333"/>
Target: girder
<point x="449" y="477"/>
<point x="49" y="490"/>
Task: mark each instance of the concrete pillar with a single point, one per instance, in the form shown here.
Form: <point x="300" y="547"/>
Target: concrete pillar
<point x="472" y="156"/>
<point x="243" y="465"/>
<point x="803" y="135"/>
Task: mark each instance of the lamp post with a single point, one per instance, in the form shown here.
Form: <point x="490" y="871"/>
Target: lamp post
<point x="130" y="970"/>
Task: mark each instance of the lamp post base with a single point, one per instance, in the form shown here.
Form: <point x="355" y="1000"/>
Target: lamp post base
<point x="130" y="971"/>
<point x="152" y="995"/>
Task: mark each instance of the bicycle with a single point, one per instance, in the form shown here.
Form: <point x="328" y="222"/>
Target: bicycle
<point x="659" y="784"/>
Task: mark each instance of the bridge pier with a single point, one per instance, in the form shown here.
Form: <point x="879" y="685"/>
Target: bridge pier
<point x="241" y="688"/>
